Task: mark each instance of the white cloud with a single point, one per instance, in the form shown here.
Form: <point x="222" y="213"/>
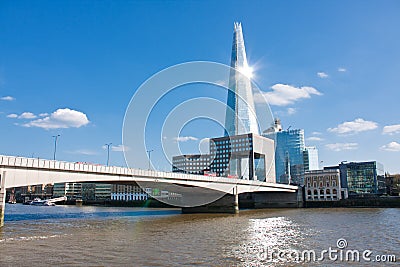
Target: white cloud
<point x="185" y="138"/>
<point x="316" y="133"/>
<point x="353" y="127"/>
<point x="315" y="138"/>
<point x="12" y="116"/>
<point x="119" y="148"/>
<point x="24" y="115"/>
<point x="7" y="98"/>
<point x="86" y="152"/>
<point x="27" y="115"/>
<point x="341" y="70"/>
<point x="392" y="146"/>
<point x="61" y="118"/>
<point x="322" y="75"/>
<point x="43" y="114"/>
<point x="341" y="146"/>
<point x="291" y="111"/>
<point x="391" y="129"/>
<point x="283" y="94"/>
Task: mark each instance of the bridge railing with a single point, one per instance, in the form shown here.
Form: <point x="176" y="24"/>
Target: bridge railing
<point x="87" y="167"/>
<point x="94" y="168"/>
<point x="10" y="161"/>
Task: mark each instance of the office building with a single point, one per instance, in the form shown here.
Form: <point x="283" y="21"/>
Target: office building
<point x="96" y="192"/>
<point x="363" y="178"/>
<point x="393" y="184"/>
<point x="247" y="156"/>
<point x="289" y="153"/>
<point x="71" y="190"/>
<point x="192" y="164"/>
<point x="323" y="185"/>
<point x="30" y="192"/>
<point x="310" y="157"/>
<point x="128" y="193"/>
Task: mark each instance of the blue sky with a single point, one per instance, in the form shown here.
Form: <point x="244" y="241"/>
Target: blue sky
<point x="71" y="68"/>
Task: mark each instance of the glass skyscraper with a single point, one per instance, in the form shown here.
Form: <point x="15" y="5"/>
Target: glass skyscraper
<point x="240" y="112"/>
<point x="289" y="153"/>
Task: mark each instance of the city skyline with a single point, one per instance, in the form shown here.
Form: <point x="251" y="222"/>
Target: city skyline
<point x="333" y="75"/>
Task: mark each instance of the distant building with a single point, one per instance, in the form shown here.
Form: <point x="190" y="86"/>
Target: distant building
<point x="393" y="184"/>
<point x="191" y="164"/>
<point x="71" y="190"/>
<point x="362" y="178"/>
<point x="102" y="191"/>
<point x="323" y="185"/>
<point x="30" y="192"/>
<point x="96" y="192"/>
<point x="128" y="193"/>
<point x="289" y="153"/>
<point x="245" y="156"/>
<point x="310" y="156"/>
<point x="84" y="191"/>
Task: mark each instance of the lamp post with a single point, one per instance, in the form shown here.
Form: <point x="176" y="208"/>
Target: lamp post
<point x="149" y="153"/>
<point x="55" y="145"/>
<point x="108" y="152"/>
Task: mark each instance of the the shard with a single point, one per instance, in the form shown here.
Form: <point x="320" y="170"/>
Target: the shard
<point x="240" y="113"/>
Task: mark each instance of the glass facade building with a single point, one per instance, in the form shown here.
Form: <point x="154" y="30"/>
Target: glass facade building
<point x="311" y="162"/>
<point x="71" y="190"/>
<point x="192" y="164"/>
<point x="241" y="153"/>
<point x="289" y="155"/>
<point x="363" y="177"/>
<point x="84" y="191"/>
<point x="245" y="156"/>
<point x="240" y="115"/>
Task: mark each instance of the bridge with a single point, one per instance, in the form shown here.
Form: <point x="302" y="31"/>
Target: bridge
<point x="20" y="171"/>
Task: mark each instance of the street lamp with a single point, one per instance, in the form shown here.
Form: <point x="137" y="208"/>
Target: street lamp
<point x="55" y="145"/>
<point x="108" y="152"/>
<point x="149" y="153"/>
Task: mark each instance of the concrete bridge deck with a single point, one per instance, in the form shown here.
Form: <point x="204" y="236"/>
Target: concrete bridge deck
<point x="20" y="171"/>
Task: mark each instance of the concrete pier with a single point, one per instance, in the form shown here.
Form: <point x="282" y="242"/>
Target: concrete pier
<point x="2" y="197"/>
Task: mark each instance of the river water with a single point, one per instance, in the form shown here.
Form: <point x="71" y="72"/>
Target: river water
<point x="103" y="236"/>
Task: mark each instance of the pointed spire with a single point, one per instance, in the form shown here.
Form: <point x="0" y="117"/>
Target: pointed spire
<point x="240" y="113"/>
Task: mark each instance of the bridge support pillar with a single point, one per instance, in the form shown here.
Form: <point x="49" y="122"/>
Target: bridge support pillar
<point x="2" y="197"/>
<point x="229" y="203"/>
